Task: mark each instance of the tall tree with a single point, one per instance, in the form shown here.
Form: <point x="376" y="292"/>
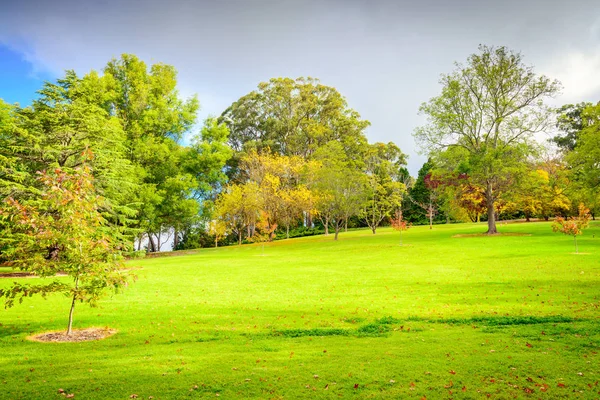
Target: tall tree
<point x="340" y="188"/>
<point x="584" y="160"/>
<point x="384" y="190"/>
<point x="490" y="107"/>
<point x="570" y="121"/>
<point x="294" y="118"/>
<point x="154" y="118"/>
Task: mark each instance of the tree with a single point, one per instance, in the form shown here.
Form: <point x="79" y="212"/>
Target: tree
<point x="154" y="118"/>
<point x="264" y="230"/>
<point x="63" y="231"/>
<point x="584" y="160"/>
<point x="293" y="117"/>
<point x="424" y="195"/>
<point x="573" y="226"/>
<point x="339" y="188"/>
<point x="384" y="191"/>
<point x="400" y="224"/>
<point x="218" y="229"/>
<point x="570" y="121"/>
<point x="490" y="108"/>
<point x="239" y="207"/>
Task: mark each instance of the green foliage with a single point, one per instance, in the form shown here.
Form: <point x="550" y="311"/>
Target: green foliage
<point x="571" y="120"/>
<point x="339" y="187"/>
<point x="62" y="231"/>
<point x="423" y="200"/>
<point x="294" y="118"/>
<point x="384" y="189"/>
<point x="489" y="107"/>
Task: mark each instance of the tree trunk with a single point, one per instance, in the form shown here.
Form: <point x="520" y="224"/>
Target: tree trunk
<point x="326" y="226"/>
<point x="430" y="216"/>
<point x="158" y="235"/>
<point x="337" y="230"/>
<point x="287" y="231"/>
<point x="240" y="237"/>
<point x="175" y="239"/>
<point x="151" y="245"/>
<point x="374" y="229"/>
<point x="216" y="241"/>
<point x="489" y="198"/>
<point x="346" y="224"/>
<point x="70" y="326"/>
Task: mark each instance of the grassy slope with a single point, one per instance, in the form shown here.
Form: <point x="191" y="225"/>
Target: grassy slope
<point x="239" y="324"/>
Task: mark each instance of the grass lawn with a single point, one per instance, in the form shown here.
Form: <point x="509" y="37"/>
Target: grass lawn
<point x="513" y="316"/>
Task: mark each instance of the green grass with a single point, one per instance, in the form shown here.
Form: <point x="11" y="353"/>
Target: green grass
<point x="440" y="317"/>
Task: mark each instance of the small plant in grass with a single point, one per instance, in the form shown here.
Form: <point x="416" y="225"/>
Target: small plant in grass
<point x="573" y="226"/>
<point x="399" y="224"/>
<point x="62" y="231"/>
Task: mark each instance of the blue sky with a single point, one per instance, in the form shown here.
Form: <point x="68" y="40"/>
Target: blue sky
<point x="18" y="81"/>
<point x="384" y="56"/>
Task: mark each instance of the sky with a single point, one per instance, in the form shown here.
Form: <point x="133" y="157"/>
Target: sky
<point x="385" y="57"/>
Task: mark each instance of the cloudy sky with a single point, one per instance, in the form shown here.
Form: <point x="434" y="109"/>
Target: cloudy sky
<point x="385" y="57"/>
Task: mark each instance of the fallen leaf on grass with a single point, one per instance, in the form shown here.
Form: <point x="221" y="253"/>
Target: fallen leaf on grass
<point x="528" y="345"/>
<point x="356" y="386"/>
<point x="561" y="385"/>
<point x="452" y="372"/>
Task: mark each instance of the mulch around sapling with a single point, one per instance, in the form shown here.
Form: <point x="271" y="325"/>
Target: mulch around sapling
<point x="78" y="335"/>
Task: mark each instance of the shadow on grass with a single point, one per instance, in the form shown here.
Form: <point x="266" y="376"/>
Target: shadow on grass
<point x="498" y="321"/>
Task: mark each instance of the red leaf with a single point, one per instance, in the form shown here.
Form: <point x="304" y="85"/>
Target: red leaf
<point x="561" y="385"/>
<point x="528" y="345"/>
<point x="452" y="372"/>
<point x="356" y="386"/>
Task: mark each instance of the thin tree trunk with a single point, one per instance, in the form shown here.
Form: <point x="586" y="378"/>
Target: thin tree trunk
<point x="374" y="229"/>
<point x="175" y="239"/>
<point x="151" y="245"/>
<point x="326" y="226"/>
<point x="491" y="212"/>
<point x="240" y="237"/>
<point x="70" y="326"/>
<point x="430" y="216"/>
<point x="287" y="231"/>
<point x="216" y="241"/>
<point x="337" y="230"/>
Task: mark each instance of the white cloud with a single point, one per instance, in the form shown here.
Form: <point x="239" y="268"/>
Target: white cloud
<point x="579" y="73"/>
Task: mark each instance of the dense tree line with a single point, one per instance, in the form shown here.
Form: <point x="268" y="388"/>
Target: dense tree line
<point x="292" y="157"/>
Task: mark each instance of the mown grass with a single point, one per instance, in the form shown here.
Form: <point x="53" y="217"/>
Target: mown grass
<point x="442" y="317"/>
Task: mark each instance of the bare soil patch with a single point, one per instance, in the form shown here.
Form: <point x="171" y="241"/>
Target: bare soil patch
<point x="78" y="335"/>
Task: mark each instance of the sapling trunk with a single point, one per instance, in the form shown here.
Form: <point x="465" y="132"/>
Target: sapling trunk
<point x="70" y="326"/>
